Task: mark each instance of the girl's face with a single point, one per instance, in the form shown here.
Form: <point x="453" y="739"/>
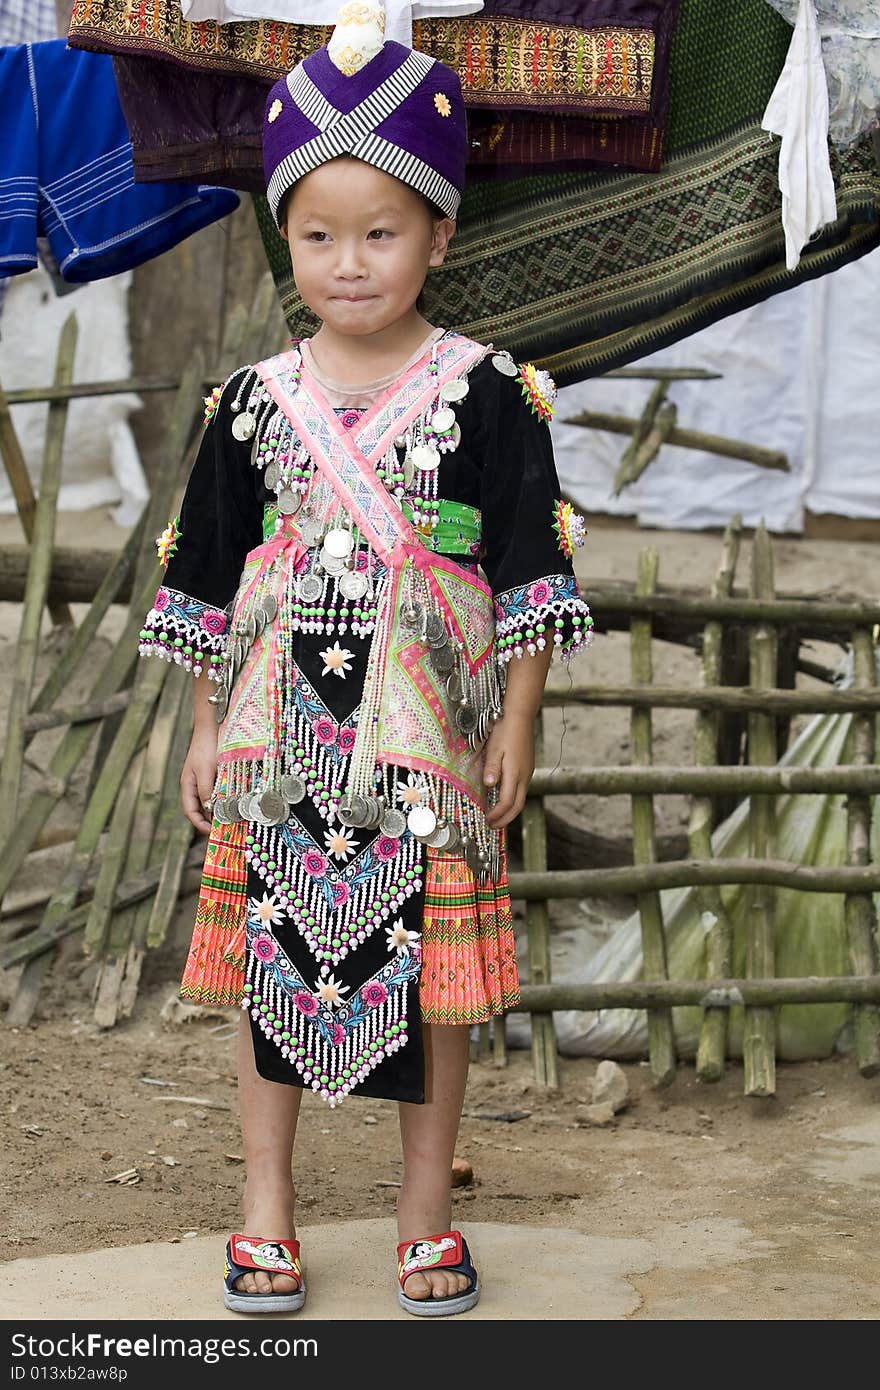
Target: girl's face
<point x="360" y="244"/>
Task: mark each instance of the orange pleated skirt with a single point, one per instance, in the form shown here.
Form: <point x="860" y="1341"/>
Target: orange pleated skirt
<point x="469" y="969"/>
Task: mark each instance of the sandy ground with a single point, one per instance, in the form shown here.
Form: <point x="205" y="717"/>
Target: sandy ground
<point x="716" y="1205"/>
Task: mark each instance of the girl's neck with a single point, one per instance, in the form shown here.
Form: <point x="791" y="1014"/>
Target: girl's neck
<point x="358" y="360"/>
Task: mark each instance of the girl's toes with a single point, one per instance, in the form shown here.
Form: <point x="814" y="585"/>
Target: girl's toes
<point x="282" y="1283"/>
<point x="417" y="1286"/>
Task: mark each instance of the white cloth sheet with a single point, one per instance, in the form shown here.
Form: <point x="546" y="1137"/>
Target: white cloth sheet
<point x="800" y="374"/>
<point x="798" y="112"/>
<point x="398" y="22"/>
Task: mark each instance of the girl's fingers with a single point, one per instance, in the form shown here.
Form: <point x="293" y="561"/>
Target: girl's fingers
<point x="505" y="807"/>
<point x="191" y="801"/>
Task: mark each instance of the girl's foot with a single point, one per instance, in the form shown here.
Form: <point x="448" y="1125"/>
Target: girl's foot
<point x="413" y="1224"/>
<point x="269" y="1214"/>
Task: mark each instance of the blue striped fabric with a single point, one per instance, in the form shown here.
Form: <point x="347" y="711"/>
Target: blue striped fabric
<point x="66" y="171"/>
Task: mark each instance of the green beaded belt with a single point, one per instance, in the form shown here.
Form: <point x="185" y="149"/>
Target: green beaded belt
<point x="457" y="531"/>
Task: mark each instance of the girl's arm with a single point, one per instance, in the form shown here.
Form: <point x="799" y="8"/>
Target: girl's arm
<point x="509" y="757"/>
<point x="200" y="764"/>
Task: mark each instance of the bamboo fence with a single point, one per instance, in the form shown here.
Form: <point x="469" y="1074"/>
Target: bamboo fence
<point x="132" y="854"/>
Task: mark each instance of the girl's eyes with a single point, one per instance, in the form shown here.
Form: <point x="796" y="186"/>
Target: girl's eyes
<point x="317" y="236"/>
<point x="377" y="233"/>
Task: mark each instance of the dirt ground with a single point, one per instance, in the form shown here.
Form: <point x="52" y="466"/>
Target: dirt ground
<point x="802" y="1170"/>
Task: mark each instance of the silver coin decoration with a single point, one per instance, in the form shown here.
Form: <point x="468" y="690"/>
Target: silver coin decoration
<point x="273" y="806"/>
<point x="409" y="471"/>
<point x="421" y="822"/>
<point x="442" y="659"/>
<point x="393" y="822"/>
<point x="339" y="543"/>
<point x="465" y="719"/>
<point x="453" y="686"/>
<point x="454" y="390"/>
<point x="310" y="588"/>
<point x="352" y="585"/>
<point x="442" y="420"/>
<point x="251" y="628"/>
<point x="435" y="631"/>
<point x="243" y="426"/>
<point x="288" y="501"/>
<point x="333" y="564"/>
<point x="271" y="476"/>
<point x="270" y="607"/>
<point x="425" y="458"/>
<point x="221" y="704"/>
<point x="293" y="789"/>
<point x="311" y="530"/>
<point x="246" y="806"/>
<point x="440" y="837"/>
<point x="504" y="363"/>
<point x="413" y="615"/>
<point x="454" y="840"/>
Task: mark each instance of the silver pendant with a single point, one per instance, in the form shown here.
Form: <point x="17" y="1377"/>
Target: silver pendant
<point x="273" y="807"/>
<point x="331" y="563"/>
<point x="246" y="806"/>
<point x="221" y="704"/>
<point x="352" y="585"/>
<point x="243" y="426"/>
<point x="289" y="501"/>
<point x="311" y="530"/>
<point x="454" y="687"/>
<point x="442" y="420"/>
<point x="251" y="628"/>
<point x="413" y="615"/>
<point x="269" y="605"/>
<point x="504" y="363"/>
<point x="442" y="659"/>
<point x="310" y="588"/>
<point x="435" y="631"/>
<point x="293" y="789"/>
<point x="454" y="840"/>
<point x="425" y="458"/>
<point x="271" y="476"/>
<point x="465" y="719"/>
<point x="353" y="811"/>
<point x="454" y="390"/>
<point x="393" y="822"/>
<point x="409" y="471"/>
<point x="421" y="822"/>
<point x="374" y="811"/>
<point x="339" y="543"/>
<point x="441" y="836"/>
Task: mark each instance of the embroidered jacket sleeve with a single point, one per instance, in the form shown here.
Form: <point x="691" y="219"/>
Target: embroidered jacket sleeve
<point x="203" y="550"/>
<point x="529" y="533"/>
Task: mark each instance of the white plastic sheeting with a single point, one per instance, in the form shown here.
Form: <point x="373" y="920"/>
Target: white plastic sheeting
<point x="101" y="463"/>
<point x="801" y="374"/>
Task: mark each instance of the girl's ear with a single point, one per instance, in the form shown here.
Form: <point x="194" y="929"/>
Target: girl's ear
<point x="444" y="231"/>
<point x="283" y="230"/>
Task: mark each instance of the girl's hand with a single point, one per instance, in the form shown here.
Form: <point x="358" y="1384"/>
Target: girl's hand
<point x="197" y="777"/>
<point x="508" y="764"/>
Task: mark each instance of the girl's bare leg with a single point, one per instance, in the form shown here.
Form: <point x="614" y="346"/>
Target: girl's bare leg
<point x="428" y="1133"/>
<point x="269" y="1112"/>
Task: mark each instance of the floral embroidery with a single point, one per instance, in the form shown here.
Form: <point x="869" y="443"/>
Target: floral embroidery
<point x="545" y="609"/>
<point x="347" y="735"/>
<point x="325" y="730"/>
<point x="539" y="389"/>
<point x="331" y="991"/>
<point x="184" y="630"/>
<point x="264" y="947"/>
<point x="166" y="544"/>
<point x="374" y="994"/>
<point x="442" y="104"/>
<point x="211" y="403"/>
<point x="340" y="844"/>
<point x="267" y="912"/>
<point x="315" y="863"/>
<point x="385" y="848"/>
<point x="569" y="527"/>
<point x="412" y="791"/>
<point x="336" y="659"/>
<point x="306" y="1003"/>
<point x="274" y="111"/>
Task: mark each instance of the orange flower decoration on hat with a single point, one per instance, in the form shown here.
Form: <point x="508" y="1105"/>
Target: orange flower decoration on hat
<point x="539" y="389"/>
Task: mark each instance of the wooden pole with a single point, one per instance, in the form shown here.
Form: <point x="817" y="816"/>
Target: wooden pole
<point x="719" y="938"/>
<point x="690" y="873"/>
<point x="747" y="698"/>
<point x="661" y="1038"/>
<point x="704" y="781"/>
<point x="859" y="911"/>
<point x="545" y="1061"/>
<point x="618" y="603"/>
<point x="759" y="1036"/>
<point x="687" y="439"/>
<point x="38" y="586"/>
<point x="720" y="994"/>
<point x="643" y="427"/>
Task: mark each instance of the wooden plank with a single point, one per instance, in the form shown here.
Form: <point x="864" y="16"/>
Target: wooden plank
<point x="859" y="911"/>
<point x="661" y="1037"/>
<point x="759" y="1035"/>
<point x="688" y="439"/>
<point x="704" y="781"/>
<point x="27" y="650"/>
<point x="545" y="1061"/>
<point x="689" y="873"/>
<point x="712" y="1048"/>
<point x="727" y="994"/>
<point x="719" y="697"/>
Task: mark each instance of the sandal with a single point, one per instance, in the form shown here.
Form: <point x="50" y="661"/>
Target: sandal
<point x="247" y="1253"/>
<point x="448" y="1251"/>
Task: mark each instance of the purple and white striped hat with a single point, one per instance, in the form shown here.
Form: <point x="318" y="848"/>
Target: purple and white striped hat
<point x="384" y="103"/>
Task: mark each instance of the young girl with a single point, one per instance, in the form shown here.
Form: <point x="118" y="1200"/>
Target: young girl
<point x="373" y="566"/>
